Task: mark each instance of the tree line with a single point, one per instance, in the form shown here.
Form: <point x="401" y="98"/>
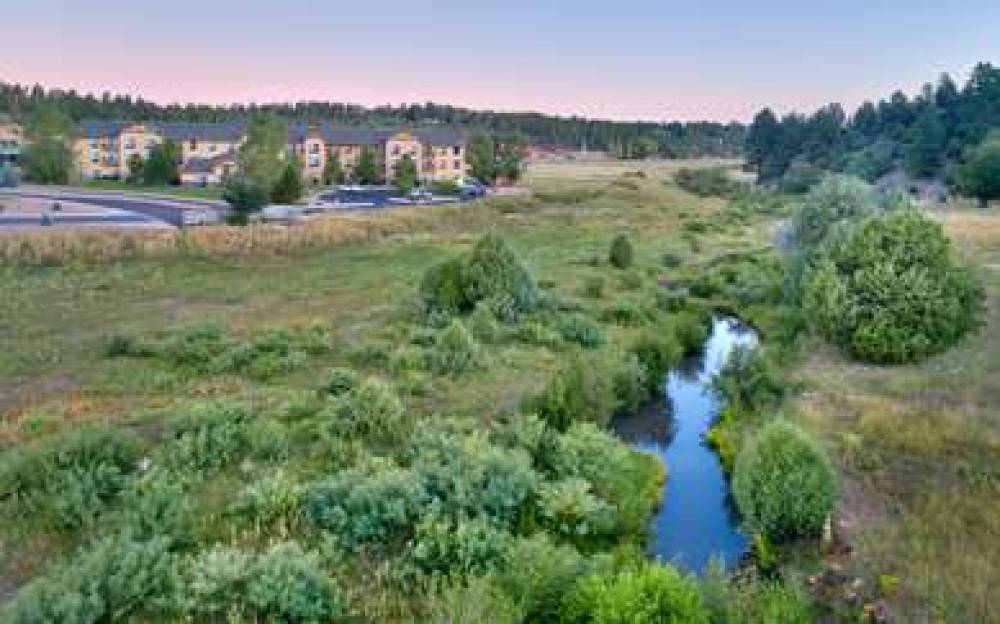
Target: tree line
<point x="625" y="139"/>
<point x="928" y="135"/>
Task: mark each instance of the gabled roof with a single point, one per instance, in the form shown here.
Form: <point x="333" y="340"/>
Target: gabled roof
<point x="228" y="131"/>
<point x="207" y="165"/>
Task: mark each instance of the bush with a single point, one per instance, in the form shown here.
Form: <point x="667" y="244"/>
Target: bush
<point x="484" y="325"/>
<point x="581" y="330"/>
<point x="283" y="584"/>
<point x="457" y="550"/>
<point x="783" y="483"/>
<point x="833" y="202"/>
<point x="651" y="593"/>
<point x="207" y="436"/>
<point x="72" y="477"/>
<point x="750" y="383"/>
<point x="890" y="291"/>
<point x="371" y="409"/>
<point x="539" y="575"/>
<point x="534" y="333"/>
<point x="490" y="273"/>
<point x="671" y="260"/>
<point x="800" y="178"/>
<point x="691" y="329"/>
<point x="581" y="391"/>
<point x="117" y="579"/>
<point x="340" y="381"/>
<point x="752" y="600"/>
<point x="622" y="254"/>
<point x="367" y="506"/>
<point x="467" y="477"/>
<point x="658" y="354"/>
<point x="455" y="350"/>
<point x="570" y="510"/>
<point x="631" y="384"/>
<point x="707" y="182"/>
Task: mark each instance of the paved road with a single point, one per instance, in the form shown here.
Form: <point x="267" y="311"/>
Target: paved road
<point x="160" y="209"/>
<point x="380" y="198"/>
<point x="75" y="219"/>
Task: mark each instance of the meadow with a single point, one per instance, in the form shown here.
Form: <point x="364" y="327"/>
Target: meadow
<point x="204" y="347"/>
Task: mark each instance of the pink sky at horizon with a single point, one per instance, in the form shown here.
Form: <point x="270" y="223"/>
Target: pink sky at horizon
<point x="636" y="60"/>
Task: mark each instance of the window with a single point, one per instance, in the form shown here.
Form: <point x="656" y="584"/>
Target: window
<point x="211" y="148"/>
<point x="130" y="144"/>
<point x="458" y="164"/>
<point x="457" y="150"/>
<point x="442" y="164"/>
<point x="193" y="144"/>
<point x="314" y="161"/>
<point x="395" y="150"/>
<point x="314" y="148"/>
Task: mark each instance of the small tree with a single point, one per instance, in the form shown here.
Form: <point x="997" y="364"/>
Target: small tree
<point x="161" y="166"/>
<point x="367" y="171"/>
<point x="136" y="167"/>
<point x="244" y="197"/>
<point x="621" y="255"/>
<point x="288" y="188"/>
<point x="482" y="157"/>
<point x="405" y="174"/>
<point x="979" y="177"/>
<point x="784" y="483"/>
<point x="333" y="171"/>
<point x="48" y="158"/>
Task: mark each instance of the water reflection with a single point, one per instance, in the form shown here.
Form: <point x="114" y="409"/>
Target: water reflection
<point x="697" y="520"/>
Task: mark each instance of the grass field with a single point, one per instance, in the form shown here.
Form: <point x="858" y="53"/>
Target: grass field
<point x="917" y="445"/>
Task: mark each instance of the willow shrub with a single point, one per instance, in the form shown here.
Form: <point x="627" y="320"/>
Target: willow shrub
<point x="621" y="254"/>
<point x="70" y="478"/>
<point x="455" y="350"/>
<point x="649" y="593"/>
<point x="890" y="291"/>
<point x="783" y="483"/>
<point x="491" y="273"/>
<point x="371" y="409"/>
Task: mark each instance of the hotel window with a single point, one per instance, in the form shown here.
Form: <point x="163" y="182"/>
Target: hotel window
<point x="211" y="148"/>
<point x="314" y="161"/>
<point x="458" y="164"/>
<point x="314" y="148"/>
<point x="130" y="144"/>
<point x="395" y="150"/>
<point x="193" y="144"/>
<point x="457" y="150"/>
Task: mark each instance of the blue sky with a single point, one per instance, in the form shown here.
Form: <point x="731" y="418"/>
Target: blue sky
<point x="627" y="59"/>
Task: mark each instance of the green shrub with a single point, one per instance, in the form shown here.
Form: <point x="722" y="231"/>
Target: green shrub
<point x="783" y="483"/>
<point x="891" y="291"/>
<point x="622" y="255"/>
<point x="484" y="326"/>
<point x="833" y="202"/>
<point x="275" y="497"/>
<point x="651" y="593"/>
<point x="476" y="601"/>
<point x="691" y="329"/>
<point x="455" y="350"/>
<point x="116" y="579"/>
<point x="124" y="345"/>
<point x="707" y="181"/>
<point x="70" y="478"/>
<point x="406" y="358"/>
<point x="583" y="390"/>
<point x="582" y="330"/>
<point x="467" y="477"/>
<point x="457" y="549"/>
<point x="569" y="509"/>
<point x="750" y="600"/>
<point x="534" y="333"/>
<point x="207" y="436"/>
<point x="631" y="280"/>
<point x="631" y="385"/>
<point x="268" y="439"/>
<point x="283" y="584"/>
<point x="800" y="178"/>
<point x="340" y="381"/>
<point x="658" y="353"/>
<point x="629" y="480"/>
<point x="366" y="506"/>
<point x="625" y="313"/>
<point x="490" y="273"/>
<point x="154" y="505"/>
<point x="371" y="409"/>
<point x="540" y="574"/>
<point x="750" y="383"/>
<point x="671" y="299"/>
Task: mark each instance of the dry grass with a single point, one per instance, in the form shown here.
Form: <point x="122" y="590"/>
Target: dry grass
<point x="920" y="448"/>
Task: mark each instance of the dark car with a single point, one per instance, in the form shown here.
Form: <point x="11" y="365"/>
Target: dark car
<point x="472" y="188"/>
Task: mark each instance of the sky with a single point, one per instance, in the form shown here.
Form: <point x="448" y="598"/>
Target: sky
<point x="614" y="59"/>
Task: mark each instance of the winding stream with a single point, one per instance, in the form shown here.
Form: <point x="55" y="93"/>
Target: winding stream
<point x="696" y="521"/>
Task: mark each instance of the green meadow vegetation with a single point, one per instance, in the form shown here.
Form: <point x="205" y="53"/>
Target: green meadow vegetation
<point x="410" y="421"/>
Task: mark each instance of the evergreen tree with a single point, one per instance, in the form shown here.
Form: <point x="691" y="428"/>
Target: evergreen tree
<point x="48" y="157"/>
<point x="979" y="177"/>
<point x="405" y="178"/>
<point x="161" y="166"/>
<point x="288" y="188"/>
<point x="367" y="171"/>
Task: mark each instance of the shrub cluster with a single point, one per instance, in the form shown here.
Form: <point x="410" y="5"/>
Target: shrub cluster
<point x="622" y="254"/>
<point x="707" y="182"/>
<point x="783" y="483"/>
<point x="890" y="290"/>
<point x="649" y="593"/>
<point x="70" y="478"/>
<point x="491" y="273"/>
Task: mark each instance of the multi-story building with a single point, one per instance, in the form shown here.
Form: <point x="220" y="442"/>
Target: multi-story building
<point x="11" y="141"/>
<point x="209" y="150"/>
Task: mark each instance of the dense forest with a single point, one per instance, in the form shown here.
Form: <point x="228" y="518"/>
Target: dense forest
<point x="627" y="139"/>
<point x="926" y="135"/>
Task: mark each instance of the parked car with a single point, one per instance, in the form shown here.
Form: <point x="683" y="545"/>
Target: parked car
<point x="472" y="188"/>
